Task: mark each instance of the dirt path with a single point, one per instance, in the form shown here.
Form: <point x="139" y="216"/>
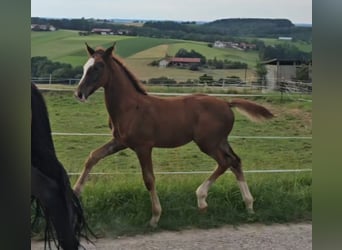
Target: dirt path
<point x="254" y="236"/>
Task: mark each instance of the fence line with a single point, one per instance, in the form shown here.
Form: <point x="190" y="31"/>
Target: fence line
<point x="232" y="136"/>
<point x="183" y="94"/>
<point x="176" y="94"/>
<point x="204" y="172"/>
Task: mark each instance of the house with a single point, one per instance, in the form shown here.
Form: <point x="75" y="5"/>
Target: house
<point x="234" y="45"/>
<point x="42" y="27"/>
<point x="123" y="32"/>
<point x="282" y="70"/>
<point x="163" y="63"/>
<point x="219" y="44"/>
<point x="247" y="46"/>
<point x="102" y="31"/>
<point x="179" y="61"/>
<point x="183" y="61"/>
<point x="285" y="38"/>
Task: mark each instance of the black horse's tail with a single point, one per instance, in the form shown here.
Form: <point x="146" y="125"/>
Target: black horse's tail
<point x="81" y="228"/>
<point x="46" y="166"/>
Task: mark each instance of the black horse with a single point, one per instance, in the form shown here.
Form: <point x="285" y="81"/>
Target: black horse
<point x="50" y="186"/>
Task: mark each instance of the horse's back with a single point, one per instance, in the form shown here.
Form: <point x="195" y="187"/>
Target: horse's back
<point x="178" y="120"/>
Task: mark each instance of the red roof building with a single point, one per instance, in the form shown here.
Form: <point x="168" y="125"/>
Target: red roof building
<point x="184" y="60"/>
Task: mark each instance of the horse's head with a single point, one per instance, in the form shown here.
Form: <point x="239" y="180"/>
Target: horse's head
<point x="95" y="72"/>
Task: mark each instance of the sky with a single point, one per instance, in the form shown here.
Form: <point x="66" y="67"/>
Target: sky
<point x="297" y="11"/>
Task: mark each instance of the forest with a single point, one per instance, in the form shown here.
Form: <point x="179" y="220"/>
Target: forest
<point x="223" y="29"/>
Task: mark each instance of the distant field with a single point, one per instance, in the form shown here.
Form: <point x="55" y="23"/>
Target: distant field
<point x="68" y="47"/>
<point x="138" y="52"/>
<point x="306" y="47"/>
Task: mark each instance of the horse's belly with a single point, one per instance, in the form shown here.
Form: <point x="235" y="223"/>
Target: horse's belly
<point x="172" y="140"/>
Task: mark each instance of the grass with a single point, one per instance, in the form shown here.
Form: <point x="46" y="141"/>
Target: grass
<point x="293" y="118"/>
<point x="118" y="204"/>
<point x="301" y="45"/>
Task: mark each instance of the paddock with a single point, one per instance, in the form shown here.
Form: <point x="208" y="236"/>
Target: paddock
<point x="277" y="161"/>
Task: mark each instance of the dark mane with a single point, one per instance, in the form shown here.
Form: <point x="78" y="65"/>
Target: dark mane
<point x="136" y="83"/>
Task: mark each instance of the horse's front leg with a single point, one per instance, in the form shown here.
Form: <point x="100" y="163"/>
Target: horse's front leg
<point x="109" y="148"/>
<point x="145" y="160"/>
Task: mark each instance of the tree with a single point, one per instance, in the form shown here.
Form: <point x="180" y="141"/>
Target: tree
<point x="283" y="52"/>
<point x="261" y="71"/>
<point x="41" y="66"/>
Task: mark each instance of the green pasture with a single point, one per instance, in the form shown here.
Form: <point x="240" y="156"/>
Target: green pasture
<point x="301" y="45"/>
<point x="118" y="203"/>
<point x="138" y="52"/>
<point x="249" y="57"/>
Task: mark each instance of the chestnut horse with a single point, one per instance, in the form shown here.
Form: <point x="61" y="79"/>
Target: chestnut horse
<point x="50" y="186"/>
<point x="140" y="121"/>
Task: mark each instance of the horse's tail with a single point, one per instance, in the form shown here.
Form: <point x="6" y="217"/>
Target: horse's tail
<point x="253" y="111"/>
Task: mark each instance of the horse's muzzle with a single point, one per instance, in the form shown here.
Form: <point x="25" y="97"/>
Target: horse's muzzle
<point x="79" y="96"/>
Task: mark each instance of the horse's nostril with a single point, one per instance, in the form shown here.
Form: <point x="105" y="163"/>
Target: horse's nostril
<point x="78" y="95"/>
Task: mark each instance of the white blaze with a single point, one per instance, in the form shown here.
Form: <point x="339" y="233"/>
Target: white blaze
<point x="86" y="66"/>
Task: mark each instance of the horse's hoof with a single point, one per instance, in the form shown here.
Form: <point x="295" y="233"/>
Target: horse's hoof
<point x="77" y="192"/>
<point x="203" y="210"/>
<point x="250" y="211"/>
<point x="153" y="223"/>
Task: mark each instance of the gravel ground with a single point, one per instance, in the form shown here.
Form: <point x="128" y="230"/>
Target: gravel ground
<point x="251" y="236"/>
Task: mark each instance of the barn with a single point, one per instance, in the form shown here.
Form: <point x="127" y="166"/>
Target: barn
<point x="283" y="70"/>
<point x="179" y="61"/>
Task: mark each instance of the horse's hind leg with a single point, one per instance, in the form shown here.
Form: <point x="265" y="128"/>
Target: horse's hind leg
<point x="236" y="168"/>
<point x="223" y="164"/>
<point x="225" y="157"/>
<point x="109" y="148"/>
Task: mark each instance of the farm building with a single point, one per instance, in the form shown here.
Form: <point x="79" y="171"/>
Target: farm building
<point x="282" y="70"/>
<point x="179" y="61"/>
<point x="285" y="38"/>
<point x="102" y="31"/>
<point x="234" y="45"/>
<point x="42" y="27"/>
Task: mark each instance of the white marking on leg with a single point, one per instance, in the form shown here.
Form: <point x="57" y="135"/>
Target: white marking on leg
<point x="246" y="195"/>
<point x="86" y="66"/>
<point x="202" y="193"/>
<point x="156" y="209"/>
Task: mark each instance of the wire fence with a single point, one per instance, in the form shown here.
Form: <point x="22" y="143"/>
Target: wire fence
<point x="232" y="136"/>
<point x="191" y="172"/>
<point x="252" y="85"/>
<point x="270" y="171"/>
<point x="274" y="137"/>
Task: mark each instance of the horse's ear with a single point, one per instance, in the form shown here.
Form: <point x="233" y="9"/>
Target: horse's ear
<point x="110" y="50"/>
<point x="90" y="50"/>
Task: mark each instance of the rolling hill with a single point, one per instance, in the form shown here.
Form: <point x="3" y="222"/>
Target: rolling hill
<point x="67" y="46"/>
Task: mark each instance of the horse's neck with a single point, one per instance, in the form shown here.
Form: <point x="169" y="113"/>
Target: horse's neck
<point x="120" y="94"/>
